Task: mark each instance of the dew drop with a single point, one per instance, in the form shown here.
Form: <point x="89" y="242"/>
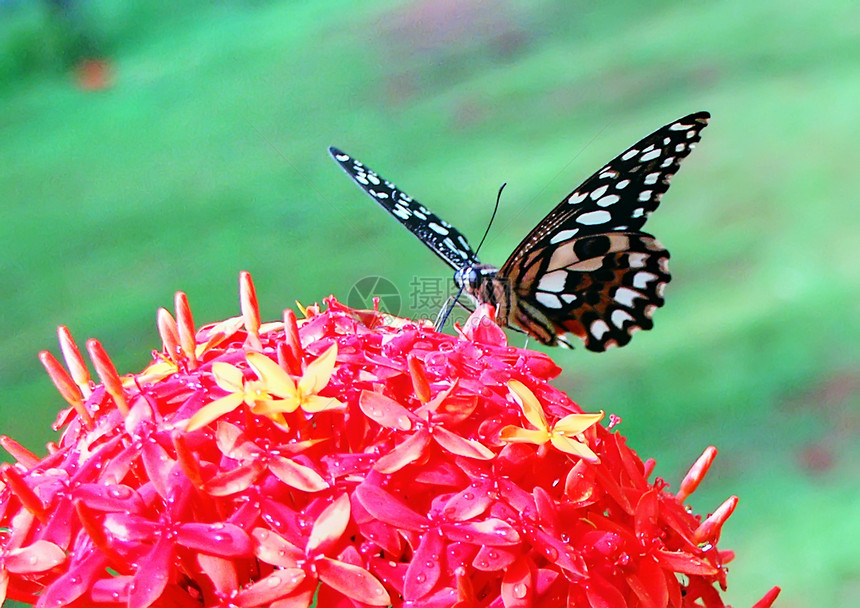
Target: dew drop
<point x="520" y="590"/>
<point x="273" y="581"/>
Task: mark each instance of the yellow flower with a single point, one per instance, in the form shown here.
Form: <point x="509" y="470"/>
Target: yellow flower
<point x="274" y="394"/>
<point x="291" y="395"/>
<point x="561" y="434"/>
<point x="229" y="378"/>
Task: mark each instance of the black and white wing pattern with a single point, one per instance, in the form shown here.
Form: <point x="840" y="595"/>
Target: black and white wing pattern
<point x="445" y="240"/>
<point x="586" y="268"/>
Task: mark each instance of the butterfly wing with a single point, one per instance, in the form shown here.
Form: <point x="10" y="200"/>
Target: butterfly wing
<point x="586" y="268"/>
<point x="445" y="240"/>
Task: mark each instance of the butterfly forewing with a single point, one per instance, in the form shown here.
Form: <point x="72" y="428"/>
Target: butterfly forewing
<point x="622" y="194"/>
<point x="445" y="240"/>
<point x="586" y="269"/>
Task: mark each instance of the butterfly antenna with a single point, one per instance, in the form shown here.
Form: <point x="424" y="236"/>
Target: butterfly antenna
<point x="449" y="306"/>
<point x="492" y="217"/>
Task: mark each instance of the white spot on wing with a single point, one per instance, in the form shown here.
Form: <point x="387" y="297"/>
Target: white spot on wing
<point x="622" y="184"/>
<point x="625" y="296"/>
<point x="597" y="193"/>
<point x="642" y="278"/>
<point x="568" y="297"/>
<point x="593" y="218"/>
<point x="637" y="260"/>
<point x="342" y="157"/>
<point x="563" y="236"/>
<point x="630" y="154"/>
<point x="437" y="228"/>
<point x="553" y="281"/>
<point x="645" y="195"/>
<point x="576" y="198"/>
<point x="608" y="200"/>
<point x="547" y="299"/>
<point x="679" y="127"/>
<point x="650" y="155"/>
<point x="618" y="317"/>
<point x="400" y="212"/>
<point x="599" y="329"/>
<point x="651" y="178"/>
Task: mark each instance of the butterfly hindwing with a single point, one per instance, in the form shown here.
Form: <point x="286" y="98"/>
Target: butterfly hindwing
<point x="445" y="240"/>
<point x="601" y="288"/>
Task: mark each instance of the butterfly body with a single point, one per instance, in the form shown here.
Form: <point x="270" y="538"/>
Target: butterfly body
<point x="587" y="269"/>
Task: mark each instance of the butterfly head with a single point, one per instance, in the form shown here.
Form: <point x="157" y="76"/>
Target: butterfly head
<point x="477" y="281"/>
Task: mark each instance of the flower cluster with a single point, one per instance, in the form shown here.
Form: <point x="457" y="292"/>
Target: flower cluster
<point x="345" y="459"/>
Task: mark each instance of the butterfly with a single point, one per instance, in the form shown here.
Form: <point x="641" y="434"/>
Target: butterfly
<point x="586" y="269"/>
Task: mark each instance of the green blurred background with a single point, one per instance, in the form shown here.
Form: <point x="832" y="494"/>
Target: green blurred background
<point x="196" y="149"/>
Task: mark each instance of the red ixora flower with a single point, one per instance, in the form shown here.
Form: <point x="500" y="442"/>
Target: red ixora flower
<point x="346" y="459"/>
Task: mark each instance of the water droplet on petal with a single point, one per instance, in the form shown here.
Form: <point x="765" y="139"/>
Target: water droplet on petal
<point x="520" y="590"/>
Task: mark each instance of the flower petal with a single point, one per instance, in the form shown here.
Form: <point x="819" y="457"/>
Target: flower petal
<point x="318" y="372"/>
<point x="297" y="475"/>
<point x="424" y="567"/>
<point x="354" y="582"/>
<point x="387" y="508"/>
<point x="40" y="556"/>
<point x="314" y="404"/>
<point x="572" y="446"/>
<point x="229" y="377"/>
<point x="272" y="407"/>
<point x="532" y="409"/>
<point x="516" y="434"/>
<point x="274" y="549"/>
<point x="574" y="424"/>
<point x="461" y="446"/>
<point x="404" y="453"/>
<point x="385" y="410"/>
<point x="329" y="525"/>
<point x="221" y="539"/>
<point x="214" y="410"/>
<point x="276" y="380"/>
<point x="270" y="588"/>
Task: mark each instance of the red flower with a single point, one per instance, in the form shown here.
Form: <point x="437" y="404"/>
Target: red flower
<point x="349" y="459"/>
